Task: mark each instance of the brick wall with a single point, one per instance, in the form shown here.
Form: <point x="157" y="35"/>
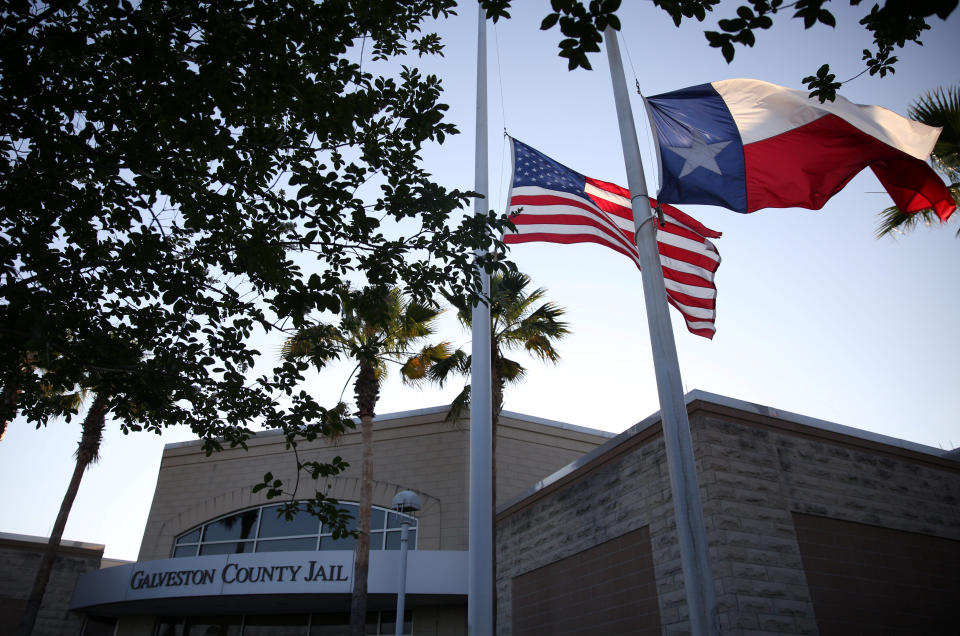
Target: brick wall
<point x="19" y="560"/>
<point x="870" y="580"/>
<point x="607" y="589"/>
<point x="623" y="490"/>
<point x="755" y="473"/>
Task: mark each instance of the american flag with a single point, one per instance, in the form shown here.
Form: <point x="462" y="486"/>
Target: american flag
<point x="549" y="202"/>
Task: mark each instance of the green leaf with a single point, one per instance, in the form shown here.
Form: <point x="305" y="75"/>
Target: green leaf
<point x="549" y="21"/>
<point x="728" y="52"/>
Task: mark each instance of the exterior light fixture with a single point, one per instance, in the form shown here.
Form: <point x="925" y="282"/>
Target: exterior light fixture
<point x="406" y="502"/>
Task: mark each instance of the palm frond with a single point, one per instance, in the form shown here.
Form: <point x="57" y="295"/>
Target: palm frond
<point x="319" y="344"/>
<point x="416" y="369"/>
<point x="512" y="371"/>
<point x="941" y="108"/>
<point x="542" y="348"/>
<point x="457" y="363"/>
<point x="893" y="221"/>
<point x="459" y="407"/>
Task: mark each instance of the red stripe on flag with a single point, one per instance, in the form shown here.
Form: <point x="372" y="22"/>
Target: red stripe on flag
<point x="610" y="223"/>
<point x="566" y="239"/>
<point x="570" y="220"/>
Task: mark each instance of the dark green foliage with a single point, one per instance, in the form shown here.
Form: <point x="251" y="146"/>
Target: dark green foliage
<point x="893" y="25"/>
<point x="178" y="178"/>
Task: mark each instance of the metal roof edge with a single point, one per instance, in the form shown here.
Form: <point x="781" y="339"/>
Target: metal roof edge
<point x="533" y="419"/>
<point x="806" y="420"/>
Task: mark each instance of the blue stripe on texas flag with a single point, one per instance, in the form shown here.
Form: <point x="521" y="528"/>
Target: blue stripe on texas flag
<point x="692" y="118"/>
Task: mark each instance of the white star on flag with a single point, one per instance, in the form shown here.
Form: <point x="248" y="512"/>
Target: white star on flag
<point x="699" y="155"/>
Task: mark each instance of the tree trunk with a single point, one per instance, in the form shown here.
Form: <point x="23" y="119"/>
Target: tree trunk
<point x="367" y="392"/>
<point x="87" y="451"/>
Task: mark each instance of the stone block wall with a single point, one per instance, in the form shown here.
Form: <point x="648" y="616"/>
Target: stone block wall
<point x="19" y="559"/>
<point x="756" y="472"/>
<point x="620" y="491"/>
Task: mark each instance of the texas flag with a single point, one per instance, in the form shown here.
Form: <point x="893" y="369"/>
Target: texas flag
<point x="745" y="145"/>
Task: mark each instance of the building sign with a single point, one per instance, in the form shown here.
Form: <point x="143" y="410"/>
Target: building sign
<point x="312" y="571"/>
<point x="266" y="573"/>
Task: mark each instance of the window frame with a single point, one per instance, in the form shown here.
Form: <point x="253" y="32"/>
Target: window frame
<point x="378" y="536"/>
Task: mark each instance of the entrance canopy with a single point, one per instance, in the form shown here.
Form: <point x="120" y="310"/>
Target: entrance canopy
<point x="288" y="581"/>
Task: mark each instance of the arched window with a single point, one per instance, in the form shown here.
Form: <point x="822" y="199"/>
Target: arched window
<point x="265" y="529"/>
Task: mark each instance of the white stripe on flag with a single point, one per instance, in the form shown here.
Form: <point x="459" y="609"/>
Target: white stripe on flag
<point x="567" y="217"/>
<point x="690" y="290"/>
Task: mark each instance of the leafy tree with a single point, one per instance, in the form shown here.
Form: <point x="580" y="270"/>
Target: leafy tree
<point x="939" y="108"/>
<point x="179" y="178"/>
<point x="168" y="172"/>
<point x="893" y="25"/>
<point x="377" y="326"/>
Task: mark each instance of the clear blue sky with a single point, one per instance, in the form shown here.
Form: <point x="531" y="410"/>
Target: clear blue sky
<point x="814" y="315"/>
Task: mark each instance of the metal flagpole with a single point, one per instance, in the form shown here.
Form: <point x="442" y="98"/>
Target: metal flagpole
<point x="480" y="587"/>
<point x="687" y="507"/>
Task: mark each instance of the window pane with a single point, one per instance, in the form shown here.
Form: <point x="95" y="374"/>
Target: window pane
<point x="330" y="625"/>
<point x="388" y="622"/>
<point x="190" y="537"/>
<point x="372" y="623"/>
<point x="213" y="626"/>
<point x="377" y="518"/>
<point x="285" y="545"/>
<point x="242" y="525"/>
<point x="99" y="626"/>
<point x="394" y="520"/>
<point x="227" y="548"/>
<point x="329" y="543"/>
<point x="275" y="625"/>
<point x="185" y="551"/>
<point x="170" y="626"/>
<point x="351" y="510"/>
<point x="413" y="539"/>
<point x="393" y="541"/>
<point x="272" y="525"/>
<point x="376" y="540"/>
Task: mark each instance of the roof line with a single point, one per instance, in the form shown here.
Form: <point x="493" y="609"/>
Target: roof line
<point x="64" y="543"/>
<point x="722" y="400"/>
<point x="433" y="410"/>
<point x="806" y="420"/>
<point x="570" y="427"/>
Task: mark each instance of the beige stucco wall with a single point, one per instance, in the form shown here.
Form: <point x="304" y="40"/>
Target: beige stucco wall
<point x="754" y="472"/>
<point x="418" y="452"/>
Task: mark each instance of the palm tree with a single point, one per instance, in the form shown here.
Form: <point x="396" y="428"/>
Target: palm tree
<point x="939" y="108"/>
<point x="377" y="326"/>
<point x="88" y="452"/>
<point x="517" y="322"/>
